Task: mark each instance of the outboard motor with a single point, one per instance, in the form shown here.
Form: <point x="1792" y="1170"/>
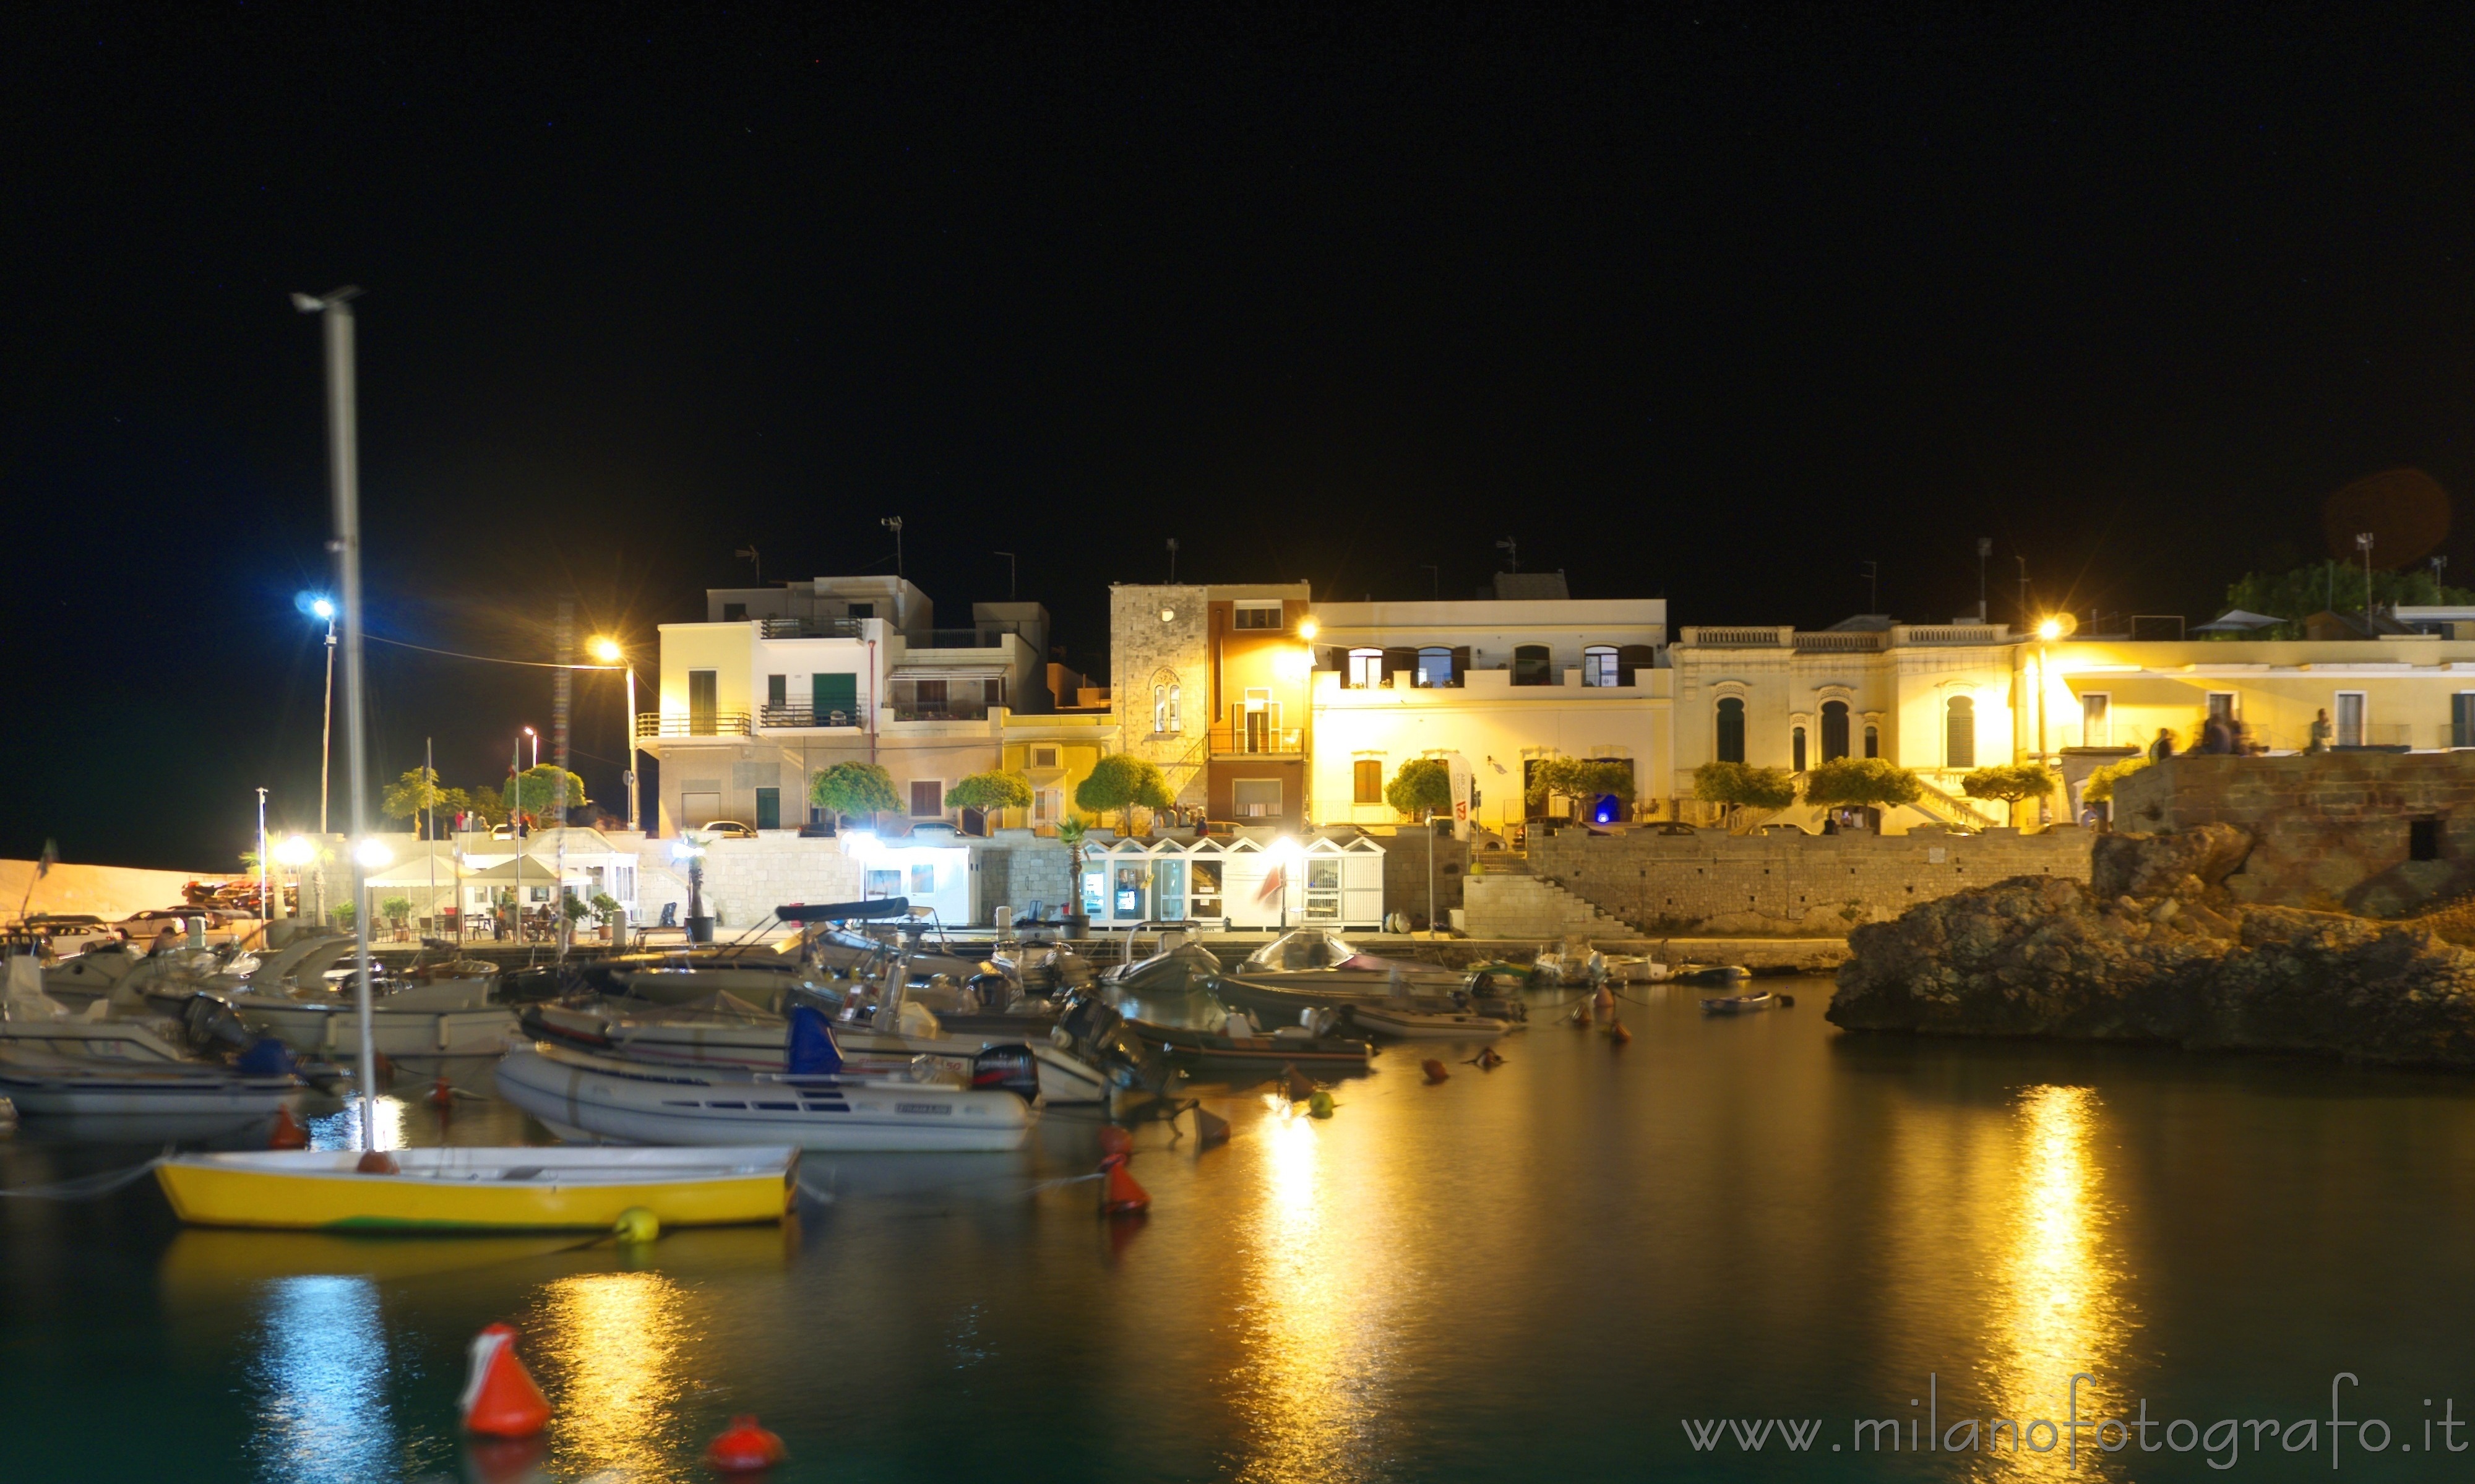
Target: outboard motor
<point x="1086" y="1022"/>
<point x="1010" y="1066"/>
<point x="208" y="1023"/>
<point x="810" y="1050"/>
<point x="1320" y="1021"/>
<point x="994" y="991"/>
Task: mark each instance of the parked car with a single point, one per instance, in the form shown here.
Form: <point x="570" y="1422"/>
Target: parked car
<point x="143" y="926"/>
<point x="726" y="829"/>
<point x="66" y="933"/>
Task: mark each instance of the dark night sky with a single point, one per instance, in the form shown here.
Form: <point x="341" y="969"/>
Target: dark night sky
<point x="1695" y="303"/>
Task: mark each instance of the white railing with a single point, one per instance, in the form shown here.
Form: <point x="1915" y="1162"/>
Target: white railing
<point x="1951" y="634"/>
<point x="1763" y="638"/>
<point x="1828" y="642"/>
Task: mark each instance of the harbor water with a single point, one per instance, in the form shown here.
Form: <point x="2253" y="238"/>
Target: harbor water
<point x="1594" y="1262"/>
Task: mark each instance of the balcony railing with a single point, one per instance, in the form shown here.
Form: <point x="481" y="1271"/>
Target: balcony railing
<point x="1258" y="742"/>
<point x="943" y="711"/>
<point x="1741" y="638"/>
<point x="986" y="636"/>
<point x="721" y="723"/>
<point x="1952" y="633"/>
<point x="1827" y="642"/>
<point x="811" y="628"/>
<point x="805" y="716"/>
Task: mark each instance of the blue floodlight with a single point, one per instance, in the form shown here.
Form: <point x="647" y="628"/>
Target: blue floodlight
<point x="317" y="605"/>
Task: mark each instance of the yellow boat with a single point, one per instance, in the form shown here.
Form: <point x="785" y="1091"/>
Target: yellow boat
<point x="501" y="1188"/>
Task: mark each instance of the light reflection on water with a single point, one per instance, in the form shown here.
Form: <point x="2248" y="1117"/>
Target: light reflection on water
<point x="342" y="1128"/>
<point x="321" y="1366"/>
<point x="2059" y="1299"/>
<point x="610" y="1350"/>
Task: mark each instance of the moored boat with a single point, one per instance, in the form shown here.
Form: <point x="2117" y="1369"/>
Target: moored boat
<point x="41" y="1083"/>
<point x="1239" y="1047"/>
<point x="1408" y="1023"/>
<point x="1736" y="1004"/>
<point x="499" y="1188"/>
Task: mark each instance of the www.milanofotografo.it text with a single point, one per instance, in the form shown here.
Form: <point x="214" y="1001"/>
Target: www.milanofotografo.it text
<point x="2223" y="1442"/>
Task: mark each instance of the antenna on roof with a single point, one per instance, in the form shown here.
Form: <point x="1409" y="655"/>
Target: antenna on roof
<point x="1512" y="550"/>
<point x="747" y="554"/>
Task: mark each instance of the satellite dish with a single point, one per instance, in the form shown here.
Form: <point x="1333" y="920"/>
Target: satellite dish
<point x="2406" y="510"/>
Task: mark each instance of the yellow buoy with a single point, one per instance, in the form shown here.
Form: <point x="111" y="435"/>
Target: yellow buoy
<point x="636" y="1224"/>
<point x="1320" y="1104"/>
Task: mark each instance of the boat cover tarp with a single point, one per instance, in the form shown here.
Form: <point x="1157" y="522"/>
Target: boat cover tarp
<point x="844" y="912"/>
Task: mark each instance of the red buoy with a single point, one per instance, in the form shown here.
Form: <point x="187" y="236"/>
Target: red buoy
<point x="500" y="1398"/>
<point x="1210" y="1128"/>
<point x="1296" y="1084"/>
<point x="289" y="1132"/>
<point x="442" y="1097"/>
<point x="1617" y="1033"/>
<point x="1119" y="1194"/>
<point x="378" y="1161"/>
<point x="1115" y="1140"/>
<point x="744" y="1447"/>
<point x="1433" y="1069"/>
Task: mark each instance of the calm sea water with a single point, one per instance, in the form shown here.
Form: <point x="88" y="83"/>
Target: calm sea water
<point x="1540" y="1273"/>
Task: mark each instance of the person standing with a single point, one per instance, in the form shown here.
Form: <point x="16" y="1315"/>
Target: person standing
<point x="2163" y="747"/>
<point x="2321" y="732"/>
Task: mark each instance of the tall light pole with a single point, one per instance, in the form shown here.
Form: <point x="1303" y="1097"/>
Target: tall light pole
<point x="343" y="467"/>
<point x="321" y="607"/>
<point x="262" y="914"/>
<point x="2363" y="544"/>
<point x="608" y="651"/>
<point x="894" y="524"/>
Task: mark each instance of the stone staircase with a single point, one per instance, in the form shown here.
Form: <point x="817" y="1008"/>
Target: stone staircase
<point x="1516" y="904"/>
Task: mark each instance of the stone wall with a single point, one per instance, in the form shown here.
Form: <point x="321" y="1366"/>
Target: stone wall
<point x="1018" y="869"/>
<point x="1405" y="875"/>
<point x="2334" y="831"/>
<point x="1789" y="883"/>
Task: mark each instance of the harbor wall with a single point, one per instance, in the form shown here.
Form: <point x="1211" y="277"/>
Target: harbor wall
<point x="2331" y="832"/>
<point x="110" y="892"/>
<point x="1789" y="884"/>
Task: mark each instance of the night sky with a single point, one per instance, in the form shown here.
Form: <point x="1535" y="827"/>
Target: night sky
<point x="1695" y="303"/>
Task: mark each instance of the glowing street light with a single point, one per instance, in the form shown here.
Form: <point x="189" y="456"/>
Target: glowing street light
<point x="609" y="651"/>
<point x="296" y="852"/>
<point x="318" y="605"/>
<point x="1308" y="629"/>
<point x="373" y="854"/>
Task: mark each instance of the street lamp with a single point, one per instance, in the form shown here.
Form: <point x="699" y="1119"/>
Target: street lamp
<point x="536" y="736"/>
<point x="320" y="606"/>
<point x="295" y="854"/>
<point x="610" y="652"/>
<point x="2052" y="628"/>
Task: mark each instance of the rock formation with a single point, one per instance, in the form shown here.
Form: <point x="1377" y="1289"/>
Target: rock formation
<point x="2153" y="950"/>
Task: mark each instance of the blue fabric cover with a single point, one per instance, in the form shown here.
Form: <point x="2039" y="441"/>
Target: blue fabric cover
<point x="810" y="1052"/>
<point x="266" y="1057"/>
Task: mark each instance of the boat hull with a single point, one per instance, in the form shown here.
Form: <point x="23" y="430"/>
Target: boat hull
<point x="1203" y="1049"/>
<point x="474" y="1189"/>
<point x="334" y="1030"/>
<point x="1421" y="1026"/>
<point x="599" y="1099"/>
<point x="155" y="1093"/>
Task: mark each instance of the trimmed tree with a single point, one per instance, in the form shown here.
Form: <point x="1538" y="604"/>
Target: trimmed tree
<point x="2011" y="782"/>
<point x="1122" y="781"/>
<point x="535" y="791"/>
<point x="848" y="789"/>
<point x="413" y="796"/>
<point x="1421" y="788"/>
<point x="2099" y="787"/>
<point x="1861" y="783"/>
<point x="1582" y="780"/>
<point x="989" y="792"/>
<point x="1736" y="786"/>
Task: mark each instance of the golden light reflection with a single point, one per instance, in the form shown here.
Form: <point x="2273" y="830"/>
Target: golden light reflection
<point x="1306" y="1387"/>
<point x="611" y="1341"/>
<point x="2060" y="1305"/>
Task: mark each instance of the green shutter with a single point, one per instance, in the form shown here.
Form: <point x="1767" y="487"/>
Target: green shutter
<point x="836" y="691"/>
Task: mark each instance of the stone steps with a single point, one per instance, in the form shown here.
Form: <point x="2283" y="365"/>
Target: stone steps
<point x="1501" y="904"/>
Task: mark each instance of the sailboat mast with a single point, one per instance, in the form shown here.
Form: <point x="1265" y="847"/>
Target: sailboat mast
<point x="344" y="479"/>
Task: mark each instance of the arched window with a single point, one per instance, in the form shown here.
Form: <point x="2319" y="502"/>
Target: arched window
<point x="1796" y="748"/>
<point x="1365" y="668"/>
<point x="1599" y="666"/>
<point x="1165" y="707"/>
<point x="1873" y="742"/>
<point x="1532" y="665"/>
<point x="1173" y="724"/>
<point x="1959" y="733"/>
<point x="1732" y="729"/>
<point x="1160" y="708"/>
<point x="1435" y="667"/>
<point x="1834" y="731"/>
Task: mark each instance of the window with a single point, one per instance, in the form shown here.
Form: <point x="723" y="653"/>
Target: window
<point x="1173" y="724"/>
<point x="734" y="613"/>
<point x="1043" y="805"/>
<point x="928" y="695"/>
<point x="777" y="690"/>
<point x="1533" y="665"/>
<point x="1599" y="666"/>
<point x="1169" y="890"/>
<point x="1165" y="707"/>
<point x="2462" y="720"/>
<point x="1365" y="669"/>
<point x="1160" y="709"/>
<point x="1959" y="732"/>
<point x="1796" y="748"/>
<point x="1204" y="902"/>
<point x="1872" y="740"/>
<point x="2350" y="719"/>
<point x="2096" y="719"/>
<point x="1633" y="658"/>
<point x="884" y="883"/>
<point x="2221" y="706"/>
<point x="1256" y="616"/>
<point x="863" y="610"/>
<point x="768" y="809"/>
<point x="1323" y="891"/>
<point x="927" y="798"/>
<point x="1368" y="776"/>
<point x="1043" y="757"/>
<point x="2423" y="837"/>
<point x="1435" y="667"/>
<point x="1257" y="798"/>
<point x="923" y="879"/>
<point x="1834" y="731"/>
<point x="1732" y="729"/>
<point x="1261" y="721"/>
<point x="703" y="705"/>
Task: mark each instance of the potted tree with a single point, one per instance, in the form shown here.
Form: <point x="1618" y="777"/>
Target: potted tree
<point x="395" y="909"/>
<point x="607" y="912"/>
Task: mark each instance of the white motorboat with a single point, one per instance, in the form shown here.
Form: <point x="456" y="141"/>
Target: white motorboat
<point x="724" y="1031"/>
<point x="43" y="1081"/>
<point x="327" y="1024"/>
<point x="583" y="1096"/>
<point x="1408" y="1022"/>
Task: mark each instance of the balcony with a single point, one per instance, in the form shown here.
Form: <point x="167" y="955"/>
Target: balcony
<point x="651" y="725"/>
<point x="1270" y="741"/>
<point x="810" y="628"/>
<point x="992" y="635"/>
<point x="804" y="716"/>
<point x="956" y="710"/>
<point x="1842" y="642"/>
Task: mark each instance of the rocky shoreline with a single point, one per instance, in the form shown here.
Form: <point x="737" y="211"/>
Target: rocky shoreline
<point x="2153" y="949"/>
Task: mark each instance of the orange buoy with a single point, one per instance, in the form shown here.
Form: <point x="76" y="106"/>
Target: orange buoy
<point x="442" y="1097"/>
<point x="1604" y="1003"/>
<point x="1617" y="1033"/>
<point x="1433" y="1069"/>
<point x="1487" y="1060"/>
<point x="1119" y="1194"/>
<point x="378" y="1161"/>
<point x="1115" y="1140"/>
<point x="1210" y="1128"/>
<point x="384" y="1068"/>
<point x="744" y="1447"/>
<point x="500" y="1398"/>
<point x="289" y="1132"/>
<point x="1299" y="1086"/>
